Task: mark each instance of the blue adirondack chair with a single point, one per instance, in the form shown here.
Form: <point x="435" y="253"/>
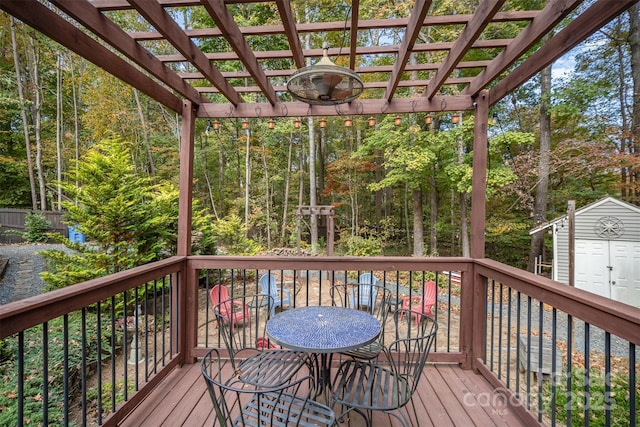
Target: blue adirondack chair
<point x="281" y="296"/>
<point x="365" y="294"/>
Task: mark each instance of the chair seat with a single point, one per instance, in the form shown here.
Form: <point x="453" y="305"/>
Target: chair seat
<point x="270" y="368"/>
<point x="366" y="352"/>
<point x="283" y="409"/>
<point x="365" y="385"/>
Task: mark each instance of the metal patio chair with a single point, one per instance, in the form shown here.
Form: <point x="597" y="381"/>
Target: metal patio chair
<point x="346" y="295"/>
<point x="366" y="386"/>
<point x="238" y="404"/>
<point x="254" y="357"/>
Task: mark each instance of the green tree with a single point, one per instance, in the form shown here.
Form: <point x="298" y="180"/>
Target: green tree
<point x="127" y="219"/>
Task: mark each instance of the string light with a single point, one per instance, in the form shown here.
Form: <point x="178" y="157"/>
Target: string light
<point x="323" y="123"/>
<point x="216" y="125"/>
<point x="371" y="121"/>
<point x="271" y="124"/>
<point x="296" y="124"/>
<point x="348" y="123"/>
<point x="397" y="121"/>
<point x="428" y="119"/>
<point x="455" y="119"/>
<point x="245" y="124"/>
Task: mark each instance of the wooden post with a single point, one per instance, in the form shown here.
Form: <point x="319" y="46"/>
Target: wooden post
<point x="479" y="180"/>
<point x="187" y="290"/>
<point x="571" y="214"/>
<point x="186" y="179"/>
<point x="474" y="300"/>
<point x="330" y="237"/>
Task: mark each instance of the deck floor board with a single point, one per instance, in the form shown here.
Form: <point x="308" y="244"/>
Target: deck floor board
<point x="446" y="395"/>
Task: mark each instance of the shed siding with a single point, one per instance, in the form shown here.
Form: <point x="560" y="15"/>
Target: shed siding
<point x="585" y="224"/>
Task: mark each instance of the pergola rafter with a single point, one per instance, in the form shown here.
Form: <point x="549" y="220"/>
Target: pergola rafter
<point x="442" y="70"/>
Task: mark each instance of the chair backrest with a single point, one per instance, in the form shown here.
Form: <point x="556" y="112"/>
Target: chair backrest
<point x="269" y="285"/>
<point x="218" y="293"/>
<point x="347" y="295"/>
<point x="251" y="336"/>
<point x="270" y="406"/>
<point x="367" y="278"/>
<point x="409" y="351"/>
<point x="429" y="295"/>
<point x="367" y="291"/>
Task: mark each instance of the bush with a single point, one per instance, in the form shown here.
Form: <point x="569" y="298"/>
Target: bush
<point x="36" y="226"/>
<point x="33" y="366"/>
<point x="360" y="246"/>
<point x="588" y="392"/>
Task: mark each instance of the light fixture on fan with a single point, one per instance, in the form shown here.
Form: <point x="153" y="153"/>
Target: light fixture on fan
<point x="325" y="83"/>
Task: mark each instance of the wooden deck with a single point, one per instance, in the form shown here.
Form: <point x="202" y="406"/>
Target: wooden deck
<point x="447" y="396"/>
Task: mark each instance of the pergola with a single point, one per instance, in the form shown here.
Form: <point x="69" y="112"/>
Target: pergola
<point x="169" y="63"/>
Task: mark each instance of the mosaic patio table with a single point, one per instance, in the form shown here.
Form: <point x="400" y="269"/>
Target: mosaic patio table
<point x="322" y="331"/>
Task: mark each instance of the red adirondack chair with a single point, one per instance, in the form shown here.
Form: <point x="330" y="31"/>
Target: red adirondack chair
<point x="233" y="312"/>
<point x="422" y="304"/>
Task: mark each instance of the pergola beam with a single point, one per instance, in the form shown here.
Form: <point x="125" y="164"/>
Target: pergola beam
<point x="361" y="50"/>
<point x="289" y="27"/>
<point x="577" y="31"/>
<point x="485" y="11"/>
<point x="232" y="33"/>
<point x="363" y="24"/>
<point x="367" y="85"/>
<point x="155" y="14"/>
<point x="420" y="9"/>
<point x="353" y="42"/>
<point x="91" y="18"/>
<point x="52" y="25"/>
<point x="360" y="107"/>
<point x="544" y="22"/>
<point x="359" y="70"/>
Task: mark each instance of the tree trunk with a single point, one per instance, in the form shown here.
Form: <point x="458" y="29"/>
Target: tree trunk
<point x="23" y="116"/>
<point x="462" y="200"/>
<point x="267" y="194"/>
<point x="145" y="133"/>
<point x="247" y="178"/>
<point x="418" y="223"/>
<point x="313" y="190"/>
<point x="379" y="194"/>
<point x="76" y="121"/>
<point x="59" y="130"/>
<point x="542" y="187"/>
<point x="287" y="184"/>
<point x="37" y="114"/>
<point x="433" y="215"/>
<point x="321" y="165"/>
<point x="634" y="44"/>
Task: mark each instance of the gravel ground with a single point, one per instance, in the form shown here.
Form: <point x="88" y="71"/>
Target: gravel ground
<point x="594" y="339"/>
<point x="21" y="277"/>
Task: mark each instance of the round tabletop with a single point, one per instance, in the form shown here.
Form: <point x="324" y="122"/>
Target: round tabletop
<point x="323" y="329"/>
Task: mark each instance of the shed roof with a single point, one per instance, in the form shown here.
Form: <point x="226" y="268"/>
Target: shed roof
<point x="586" y="209"/>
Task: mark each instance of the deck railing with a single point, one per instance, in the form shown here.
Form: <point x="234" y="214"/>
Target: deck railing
<point x="87" y="354"/>
<point x="308" y="282"/>
<point x="102" y="345"/>
<point x="565" y="355"/>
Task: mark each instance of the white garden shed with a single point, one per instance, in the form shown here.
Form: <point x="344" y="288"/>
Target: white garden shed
<point x="607" y="249"/>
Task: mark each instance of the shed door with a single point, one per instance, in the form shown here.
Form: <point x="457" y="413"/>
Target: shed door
<point x="610" y="268"/>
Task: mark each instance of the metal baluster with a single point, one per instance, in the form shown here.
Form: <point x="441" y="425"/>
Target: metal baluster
<point x="45" y="374"/>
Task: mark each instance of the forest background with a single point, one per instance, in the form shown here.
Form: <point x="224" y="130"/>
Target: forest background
<point x="76" y="139"/>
